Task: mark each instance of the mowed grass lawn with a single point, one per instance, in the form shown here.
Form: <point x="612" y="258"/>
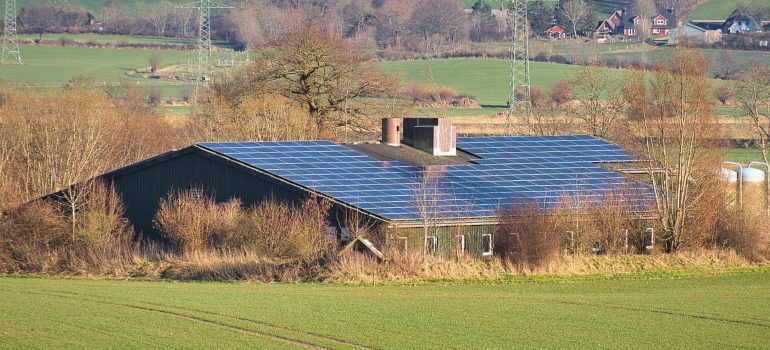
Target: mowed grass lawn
<point x="723" y="311"/>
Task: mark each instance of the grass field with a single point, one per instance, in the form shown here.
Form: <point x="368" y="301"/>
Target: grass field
<point x="51" y="66"/>
<point x="724" y="311"/>
<point x="487" y="80"/>
<point x="720" y="9"/>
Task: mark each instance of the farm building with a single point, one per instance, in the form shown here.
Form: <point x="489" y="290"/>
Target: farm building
<point x="420" y="174"/>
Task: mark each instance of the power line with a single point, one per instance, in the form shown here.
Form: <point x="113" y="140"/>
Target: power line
<point x="520" y="88"/>
<point x="204" y="8"/>
<point x="10" y="39"/>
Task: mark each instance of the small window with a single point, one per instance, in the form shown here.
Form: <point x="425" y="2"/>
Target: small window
<point x="660" y="21"/>
<point x="461" y="244"/>
<point x="196" y="192"/>
<point x="404" y="244"/>
<point x="431" y="243"/>
<point x="486" y="245"/>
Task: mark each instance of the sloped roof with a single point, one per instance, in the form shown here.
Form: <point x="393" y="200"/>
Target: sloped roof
<point x="540" y="169"/>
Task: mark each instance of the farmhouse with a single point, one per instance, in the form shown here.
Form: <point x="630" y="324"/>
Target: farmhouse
<point x="625" y="24"/>
<point x="420" y="174"/>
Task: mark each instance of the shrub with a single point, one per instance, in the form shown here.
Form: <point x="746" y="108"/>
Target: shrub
<point x="154" y="95"/>
<point x="561" y="92"/>
<point x="723" y="94"/>
<point x="535" y="96"/>
<point x="154" y="62"/>
<point x="420" y="93"/>
<point x="271" y="228"/>
<point x="447" y="94"/>
<point x="527" y="237"/>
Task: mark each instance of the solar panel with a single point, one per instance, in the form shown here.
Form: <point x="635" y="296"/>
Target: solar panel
<point x="544" y="169"/>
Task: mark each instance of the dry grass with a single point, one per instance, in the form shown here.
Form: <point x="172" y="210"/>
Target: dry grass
<point x="271" y="228"/>
<point x="359" y="268"/>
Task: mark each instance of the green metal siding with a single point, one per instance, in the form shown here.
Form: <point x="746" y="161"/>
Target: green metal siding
<point x="142" y="190"/>
<point x="447" y="240"/>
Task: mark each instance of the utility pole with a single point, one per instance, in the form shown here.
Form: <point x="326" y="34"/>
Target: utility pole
<point x="520" y="89"/>
<point x="10" y="39"/>
<point x="204" y="39"/>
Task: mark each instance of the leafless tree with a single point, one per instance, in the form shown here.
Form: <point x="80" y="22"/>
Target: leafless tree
<point x="726" y="65"/>
<point x="575" y="11"/>
<point x="438" y="20"/>
<point x="601" y="101"/>
<point x="752" y="94"/>
<point x="672" y="116"/>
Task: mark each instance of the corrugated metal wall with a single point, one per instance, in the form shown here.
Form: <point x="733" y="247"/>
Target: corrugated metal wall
<point x="142" y="190"/>
<point x="446" y="238"/>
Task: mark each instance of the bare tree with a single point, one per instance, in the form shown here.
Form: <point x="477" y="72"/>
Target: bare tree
<point x="438" y="20"/>
<point x="601" y="101"/>
<point x="428" y="197"/>
<point x="671" y="114"/>
<point x="575" y="11"/>
<point x="158" y="15"/>
<point x="335" y="82"/>
<point x="726" y="66"/>
<point x="752" y="94"/>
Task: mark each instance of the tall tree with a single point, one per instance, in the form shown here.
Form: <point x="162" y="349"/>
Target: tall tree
<point x="540" y="15"/>
<point x="575" y="12"/>
<point x="336" y="83"/>
<point x="672" y="123"/>
<point x="438" y="20"/>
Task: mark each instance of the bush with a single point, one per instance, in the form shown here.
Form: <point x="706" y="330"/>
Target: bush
<point x="447" y="94"/>
<point x="43" y="237"/>
<point x="527" y="237"/>
<point x="561" y="92"/>
<point x="723" y="94"/>
<point x="273" y="229"/>
<point x="535" y="96"/>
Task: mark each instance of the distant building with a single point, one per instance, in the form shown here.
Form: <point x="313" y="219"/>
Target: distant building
<point x="696" y="34"/>
<point x="740" y="22"/>
<point x="556" y="32"/>
<point x="625" y="24"/>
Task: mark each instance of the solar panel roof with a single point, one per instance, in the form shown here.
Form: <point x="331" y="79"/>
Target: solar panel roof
<point x="543" y="169"/>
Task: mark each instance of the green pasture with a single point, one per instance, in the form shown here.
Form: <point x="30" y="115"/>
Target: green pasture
<point x="720" y="9"/>
<point x="487" y="80"/>
<point x="662" y="53"/>
<point x="744" y="155"/>
<point x="698" y="311"/>
<point x="111" y="38"/>
<point x="51" y="66"/>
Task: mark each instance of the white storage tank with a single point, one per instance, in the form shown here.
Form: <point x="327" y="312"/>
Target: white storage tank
<point x="752" y="175"/>
<point x="728" y="175"/>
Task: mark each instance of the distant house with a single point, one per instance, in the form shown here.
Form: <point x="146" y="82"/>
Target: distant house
<point x="664" y="22"/>
<point x="556" y="32"/>
<point x="740" y="22"/>
<point x="625" y="24"/>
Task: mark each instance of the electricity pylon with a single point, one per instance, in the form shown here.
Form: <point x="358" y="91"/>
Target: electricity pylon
<point x="520" y="89"/>
<point x="10" y="39"/>
<point x="204" y="38"/>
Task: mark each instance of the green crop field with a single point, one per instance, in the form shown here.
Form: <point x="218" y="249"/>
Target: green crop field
<point x="95" y="6"/>
<point x="699" y="311"/>
<point x="720" y="9"/>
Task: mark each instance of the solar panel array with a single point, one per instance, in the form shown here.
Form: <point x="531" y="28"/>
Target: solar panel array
<point x="544" y="169"/>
